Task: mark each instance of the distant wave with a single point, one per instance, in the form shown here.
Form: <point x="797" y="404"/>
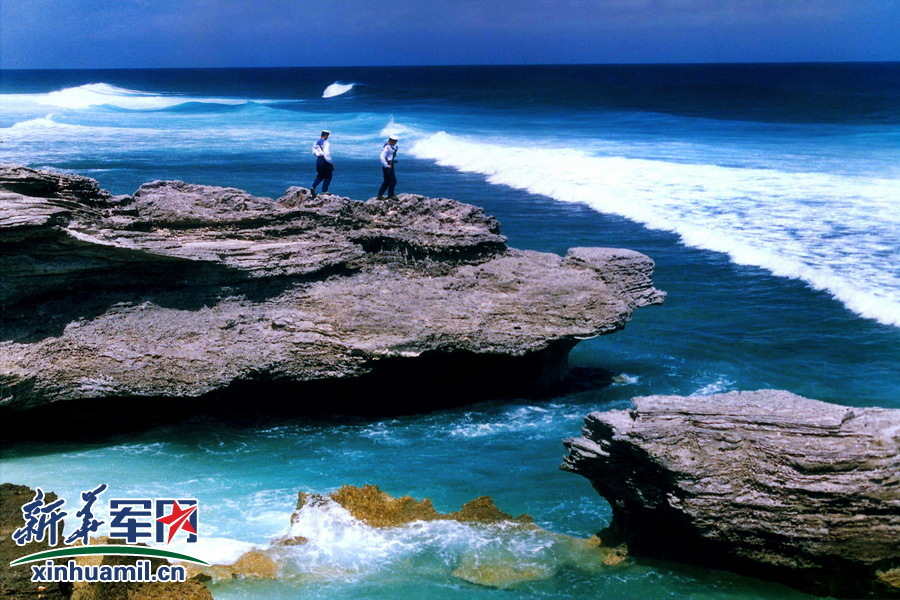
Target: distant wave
<point x="49" y="126"/>
<point x="204" y="106"/>
<point x="104" y="94"/>
<point x="336" y="89"/>
<point x="45" y="122"/>
<point x="836" y="233"/>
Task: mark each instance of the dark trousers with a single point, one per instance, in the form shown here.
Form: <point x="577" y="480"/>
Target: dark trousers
<point x="324" y="171"/>
<point x="389" y="183"/>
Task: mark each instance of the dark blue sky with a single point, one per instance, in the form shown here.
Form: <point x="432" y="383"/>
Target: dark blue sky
<point x="220" y="33"/>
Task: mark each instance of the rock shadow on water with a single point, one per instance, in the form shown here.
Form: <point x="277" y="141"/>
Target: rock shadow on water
<point x="399" y="387"/>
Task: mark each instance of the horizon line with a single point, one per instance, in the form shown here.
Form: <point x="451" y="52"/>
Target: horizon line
<point x="404" y="66"/>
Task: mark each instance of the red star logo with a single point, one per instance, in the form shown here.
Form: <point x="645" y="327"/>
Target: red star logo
<point x="179" y="519"/>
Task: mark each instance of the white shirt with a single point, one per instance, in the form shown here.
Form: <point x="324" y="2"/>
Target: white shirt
<point x="322" y="148"/>
<point x="388" y="153"/>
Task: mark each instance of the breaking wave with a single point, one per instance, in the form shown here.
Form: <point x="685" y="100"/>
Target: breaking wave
<point x="837" y="233"/>
<point x="45" y="122"/>
<point x="343" y="547"/>
<point x="336" y="89"/>
<point x="104" y="94"/>
<point x="48" y="128"/>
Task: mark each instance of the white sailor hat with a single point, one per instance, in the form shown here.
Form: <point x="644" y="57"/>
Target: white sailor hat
<point x="326" y="131"/>
<point x="394" y="137"/>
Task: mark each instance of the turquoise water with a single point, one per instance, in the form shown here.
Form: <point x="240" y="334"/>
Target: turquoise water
<point x="247" y="479"/>
<point x="767" y="195"/>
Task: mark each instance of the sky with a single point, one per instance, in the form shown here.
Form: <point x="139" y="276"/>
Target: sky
<point x="45" y="34"/>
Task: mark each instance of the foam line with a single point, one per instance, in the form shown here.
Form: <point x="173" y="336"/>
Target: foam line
<point x="834" y="232"/>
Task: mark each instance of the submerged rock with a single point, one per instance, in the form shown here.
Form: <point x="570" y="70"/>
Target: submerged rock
<point x="767" y="483"/>
<point x="499" y="573"/>
<point x="255" y="564"/>
<point x="210" y="294"/>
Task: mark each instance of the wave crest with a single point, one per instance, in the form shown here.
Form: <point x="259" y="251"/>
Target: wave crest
<point x="105" y="94"/>
<point x="45" y="122"/>
<point x="336" y="89"/>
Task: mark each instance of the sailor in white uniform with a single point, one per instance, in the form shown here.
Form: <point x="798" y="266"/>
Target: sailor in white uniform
<point x="324" y="167"/>
<point x="388" y="158"/>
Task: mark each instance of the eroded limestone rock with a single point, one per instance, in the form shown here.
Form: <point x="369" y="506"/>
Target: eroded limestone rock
<point x="767" y="483"/>
<point x="184" y="291"/>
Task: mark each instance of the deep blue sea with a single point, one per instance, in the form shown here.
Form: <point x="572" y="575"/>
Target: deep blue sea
<point x="769" y="196"/>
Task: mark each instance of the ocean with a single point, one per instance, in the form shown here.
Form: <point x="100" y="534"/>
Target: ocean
<point x="768" y="195"/>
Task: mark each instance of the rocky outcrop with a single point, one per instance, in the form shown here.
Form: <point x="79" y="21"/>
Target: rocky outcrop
<point x="208" y="293"/>
<point x="767" y="483"/>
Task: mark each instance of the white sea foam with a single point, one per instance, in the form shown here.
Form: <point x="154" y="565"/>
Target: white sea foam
<point x="403" y="131"/>
<point x="837" y="233"/>
<point x="341" y="545"/>
<point x="337" y="539"/>
<point x="526" y="421"/>
<point x="625" y="379"/>
<point x="717" y="386"/>
<point x="336" y="89"/>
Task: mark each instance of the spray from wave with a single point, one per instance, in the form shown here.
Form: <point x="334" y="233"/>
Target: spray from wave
<point x="405" y="132"/>
<point x="830" y="231"/>
<point x="496" y="554"/>
<point x="336" y="89"/>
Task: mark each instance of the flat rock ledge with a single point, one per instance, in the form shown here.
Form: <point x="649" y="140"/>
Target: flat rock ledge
<point x="766" y="483"/>
<point x="184" y="291"/>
